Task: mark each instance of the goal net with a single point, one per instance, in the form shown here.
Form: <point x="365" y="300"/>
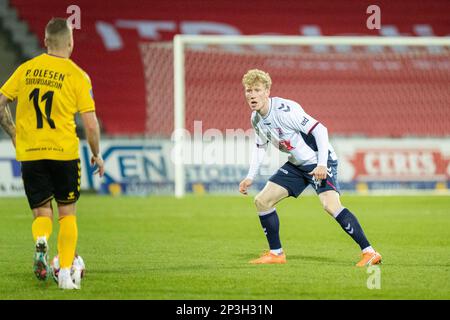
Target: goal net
<point x="367" y="87"/>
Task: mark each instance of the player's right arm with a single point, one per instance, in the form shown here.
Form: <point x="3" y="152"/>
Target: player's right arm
<point x="9" y="92"/>
<point x="92" y="130"/>
<point x="6" y="120"/>
<point x="258" y="153"/>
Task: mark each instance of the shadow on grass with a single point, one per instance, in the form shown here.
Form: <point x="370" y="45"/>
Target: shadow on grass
<point x="233" y="262"/>
<point x="314" y="258"/>
<point x="304" y="258"/>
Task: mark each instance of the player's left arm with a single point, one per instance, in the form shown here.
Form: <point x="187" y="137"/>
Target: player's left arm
<point x="320" y="133"/>
<point x="6" y="120"/>
<point x="92" y="130"/>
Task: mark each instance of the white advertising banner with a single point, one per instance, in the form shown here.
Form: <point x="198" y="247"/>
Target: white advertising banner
<point x="138" y="166"/>
<point x="394" y="163"/>
<point x="147" y="166"/>
<point x="10" y="175"/>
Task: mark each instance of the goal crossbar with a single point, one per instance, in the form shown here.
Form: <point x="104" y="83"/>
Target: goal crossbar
<point x="308" y="40"/>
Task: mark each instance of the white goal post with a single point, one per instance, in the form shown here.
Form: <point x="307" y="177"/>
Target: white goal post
<point x="180" y="43"/>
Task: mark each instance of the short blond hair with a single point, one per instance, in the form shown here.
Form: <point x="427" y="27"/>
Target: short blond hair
<point x="56" y="30"/>
<point x="255" y="76"/>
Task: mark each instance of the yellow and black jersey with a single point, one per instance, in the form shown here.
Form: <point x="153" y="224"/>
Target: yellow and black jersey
<point x="50" y="90"/>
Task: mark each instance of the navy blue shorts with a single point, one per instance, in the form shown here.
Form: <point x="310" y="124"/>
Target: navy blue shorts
<point x="295" y="179"/>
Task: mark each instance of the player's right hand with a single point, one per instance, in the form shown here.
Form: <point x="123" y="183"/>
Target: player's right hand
<point x="244" y="185"/>
<point x="98" y="161"/>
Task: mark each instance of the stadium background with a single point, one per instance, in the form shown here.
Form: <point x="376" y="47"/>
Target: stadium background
<point x="389" y="122"/>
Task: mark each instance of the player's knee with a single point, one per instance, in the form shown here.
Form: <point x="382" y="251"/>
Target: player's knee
<point x="43" y="211"/>
<point x="261" y="203"/>
<point x="330" y="202"/>
<point x="330" y="206"/>
<point x="326" y="207"/>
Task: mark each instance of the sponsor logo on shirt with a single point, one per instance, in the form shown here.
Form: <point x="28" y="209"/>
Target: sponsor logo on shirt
<point x="305" y="121"/>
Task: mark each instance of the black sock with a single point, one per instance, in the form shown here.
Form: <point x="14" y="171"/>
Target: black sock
<point x="271" y="227"/>
<point x="351" y="225"/>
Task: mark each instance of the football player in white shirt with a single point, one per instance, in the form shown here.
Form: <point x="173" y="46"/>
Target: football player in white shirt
<point x="312" y="161"/>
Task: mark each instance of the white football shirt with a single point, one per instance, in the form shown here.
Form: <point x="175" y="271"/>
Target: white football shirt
<point x="288" y="127"/>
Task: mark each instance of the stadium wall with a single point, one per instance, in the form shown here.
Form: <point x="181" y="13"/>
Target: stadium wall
<point x="107" y="46"/>
<point x="144" y="167"/>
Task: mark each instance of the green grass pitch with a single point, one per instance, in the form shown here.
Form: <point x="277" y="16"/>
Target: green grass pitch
<point x="199" y="248"/>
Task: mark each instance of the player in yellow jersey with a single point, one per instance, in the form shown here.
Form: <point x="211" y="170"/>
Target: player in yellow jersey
<point x="50" y="89"/>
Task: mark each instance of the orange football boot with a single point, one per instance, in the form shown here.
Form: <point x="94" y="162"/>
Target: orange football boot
<point x="270" y="258"/>
<point x="369" y="258"/>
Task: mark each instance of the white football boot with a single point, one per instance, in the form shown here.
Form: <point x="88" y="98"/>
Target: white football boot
<point x="77" y="268"/>
<point x="65" y="280"/>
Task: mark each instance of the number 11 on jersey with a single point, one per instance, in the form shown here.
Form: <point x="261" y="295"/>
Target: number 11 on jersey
<point x="48" y="98"/>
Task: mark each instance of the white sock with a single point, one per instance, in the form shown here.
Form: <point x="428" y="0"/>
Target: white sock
<point x="368" y="249"/>
<point x="337" y="212"/>
<point x="263" y="213"/>
<point x="277" y="251"/>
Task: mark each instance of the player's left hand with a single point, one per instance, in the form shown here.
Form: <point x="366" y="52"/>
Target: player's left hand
<point x="98" y="161"/>
<point x="319" y="173"/>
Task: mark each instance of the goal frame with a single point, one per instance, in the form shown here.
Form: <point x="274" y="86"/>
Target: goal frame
<point x="181" y="41"/>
